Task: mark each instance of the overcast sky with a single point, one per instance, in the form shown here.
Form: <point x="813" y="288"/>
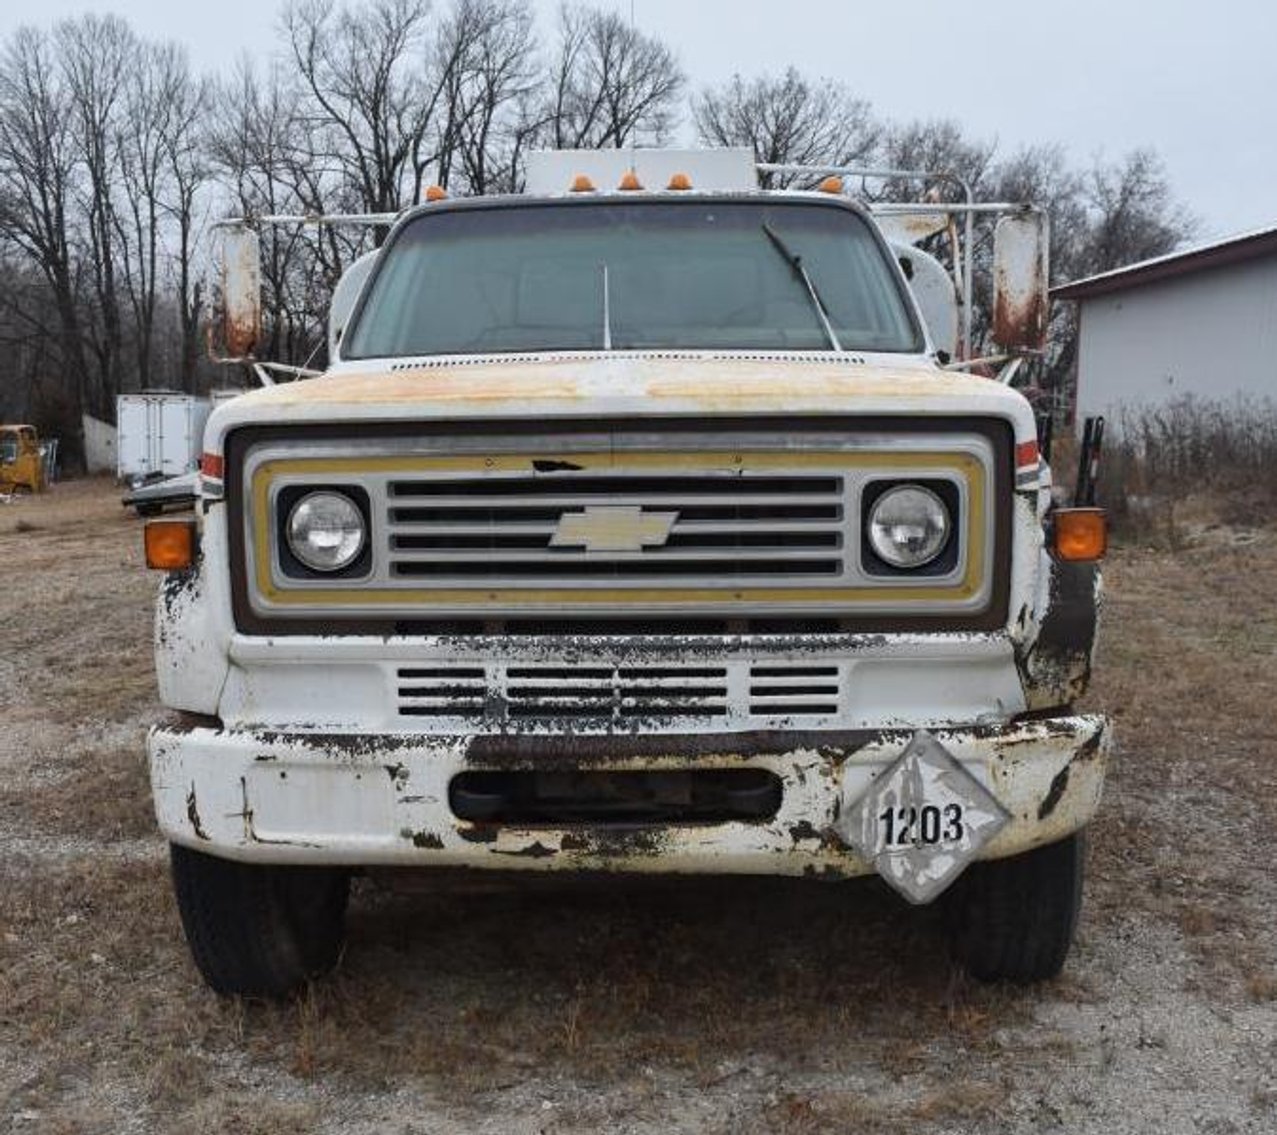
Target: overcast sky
<point x="1196" y="80"/>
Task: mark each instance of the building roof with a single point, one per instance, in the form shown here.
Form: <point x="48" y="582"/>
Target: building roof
<point x="1216" y="254"/>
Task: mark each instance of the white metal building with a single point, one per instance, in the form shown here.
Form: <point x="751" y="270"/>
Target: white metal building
<point x="1201" y="322"/>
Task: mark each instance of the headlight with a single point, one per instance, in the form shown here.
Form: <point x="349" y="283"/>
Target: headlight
<point x="326" y="531"/>
<point x="908" y="526"/>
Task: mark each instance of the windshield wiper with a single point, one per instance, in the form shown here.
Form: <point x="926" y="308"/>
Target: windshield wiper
<point x="800" y="270"/>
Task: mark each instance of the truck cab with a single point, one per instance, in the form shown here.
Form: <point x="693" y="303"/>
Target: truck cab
<point x="639" y="523"/>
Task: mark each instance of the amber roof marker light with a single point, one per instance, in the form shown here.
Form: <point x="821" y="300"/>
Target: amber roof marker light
<point x="630" y="182"/>
<point x="680" y="183"/>
<point x="831" y="185"/>
<point x="581" y="184"/>
<point x="435" y="193"/>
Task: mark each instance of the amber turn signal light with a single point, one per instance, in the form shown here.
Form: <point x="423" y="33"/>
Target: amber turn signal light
<point x="1080" y="534"/>
<point x="170" y="544"/>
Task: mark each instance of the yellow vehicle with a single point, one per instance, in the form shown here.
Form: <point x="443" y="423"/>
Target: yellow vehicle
<point x="21" y="464"/>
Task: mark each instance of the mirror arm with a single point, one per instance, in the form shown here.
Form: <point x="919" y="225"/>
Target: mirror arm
<point x="1009" y="362"/>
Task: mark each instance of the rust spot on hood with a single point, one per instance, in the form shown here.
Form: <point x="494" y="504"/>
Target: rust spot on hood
<point x="722" y="385"/>
<point x="696" y="379"/>
<point x="493" y="383"/>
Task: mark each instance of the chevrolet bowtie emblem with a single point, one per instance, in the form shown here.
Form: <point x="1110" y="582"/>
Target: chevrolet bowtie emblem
<point x="613" y="528"/>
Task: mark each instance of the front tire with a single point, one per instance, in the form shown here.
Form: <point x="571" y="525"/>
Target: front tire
<point x="259" y="931"/>
<point x="1014" y="919"/>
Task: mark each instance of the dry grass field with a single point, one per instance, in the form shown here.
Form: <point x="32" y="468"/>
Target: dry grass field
<point x="647" y="1006"/>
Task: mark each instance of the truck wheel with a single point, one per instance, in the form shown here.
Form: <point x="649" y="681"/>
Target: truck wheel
<point x="1013" y="919"/>
<point x="259" y="931"/>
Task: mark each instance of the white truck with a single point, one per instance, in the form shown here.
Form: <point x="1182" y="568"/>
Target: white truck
<point x="640" y="522"/>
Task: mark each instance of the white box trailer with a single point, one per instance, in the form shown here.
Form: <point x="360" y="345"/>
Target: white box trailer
<point x="159" y="434"/>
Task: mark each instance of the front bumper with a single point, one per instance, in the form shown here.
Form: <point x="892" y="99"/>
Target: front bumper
<point x="370" y="799"/>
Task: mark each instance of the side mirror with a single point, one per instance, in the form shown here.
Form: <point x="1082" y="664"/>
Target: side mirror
<point x="344" y="296"/>
<point x="1020" y="276"/>
<point x="236" y="326"/>
<point x="934" y="293"/>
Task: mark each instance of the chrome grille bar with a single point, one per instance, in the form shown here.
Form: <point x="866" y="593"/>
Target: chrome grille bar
<point x="719" y="525"/>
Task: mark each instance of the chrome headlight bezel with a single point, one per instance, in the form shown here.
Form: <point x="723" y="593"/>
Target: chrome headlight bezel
<point x="297" y="558"/>
<point x="887" y="557"/>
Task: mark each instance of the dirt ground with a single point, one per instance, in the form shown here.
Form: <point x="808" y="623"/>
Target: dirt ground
<point x="647" y="1006"/>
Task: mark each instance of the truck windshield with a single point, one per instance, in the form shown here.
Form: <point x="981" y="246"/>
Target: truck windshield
<point x="632" y="276"/>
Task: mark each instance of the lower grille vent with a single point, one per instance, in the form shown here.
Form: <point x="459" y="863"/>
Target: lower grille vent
<point x="785" y="691"/>
<point x="596" y="693"/>
<point x="622" y="697"/>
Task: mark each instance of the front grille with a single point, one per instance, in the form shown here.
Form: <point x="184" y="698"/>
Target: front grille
<point x="598" y="527"/>
<point x="620" y="697"/>
<point x="617" y="529"/>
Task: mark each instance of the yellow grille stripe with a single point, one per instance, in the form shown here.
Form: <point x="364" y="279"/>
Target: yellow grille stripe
<point x="964" y="464"/>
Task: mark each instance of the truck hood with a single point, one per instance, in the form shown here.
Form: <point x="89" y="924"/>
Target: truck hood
<point x="627" y="385"/>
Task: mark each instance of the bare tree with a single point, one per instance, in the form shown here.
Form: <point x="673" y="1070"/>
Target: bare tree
<point x="1135" y="216"/>
<point x="787" y="119"/>
<point x="485" y="58"/>
<point x="366" y="77"/>
<point x="38" y="186"/>
<point x="97" y="55"/>
<point x="1042" y="175"/>
<point x="147" y="101"/>
<point x="28" y="341"/>
<point x="1118" y="214"/>
<point x="185" y="143"/>
<point x="936" y="146"/>
<point x="609" y="84"/>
